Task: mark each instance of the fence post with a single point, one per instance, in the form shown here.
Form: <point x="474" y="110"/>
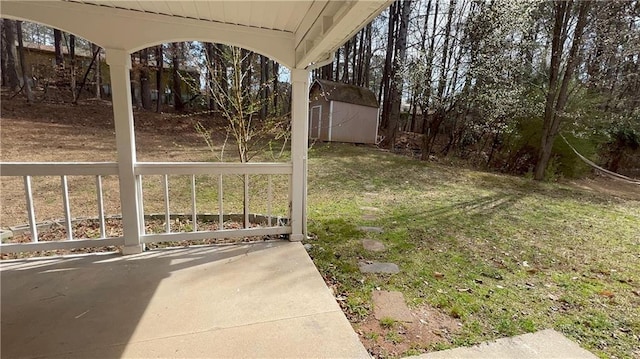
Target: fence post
<point x="119" y="65"/>
<point x="299" y="147"/>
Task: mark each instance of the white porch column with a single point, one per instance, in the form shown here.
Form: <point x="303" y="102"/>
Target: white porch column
<point x="119" y="65"/>
<point x="299" y="147"/>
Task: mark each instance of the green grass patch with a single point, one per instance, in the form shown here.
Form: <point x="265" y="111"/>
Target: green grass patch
<point x="505" y="255"/>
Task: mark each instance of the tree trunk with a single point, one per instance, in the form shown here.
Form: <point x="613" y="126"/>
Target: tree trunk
<point x="178" y="105"/>
<point x="96" y="52"/>
<point x="367" y="57"/>
<point x="211" y="74"/>
<point x="72" y="61"/>
<point x="397" y="81"/>
<point x="327" y="72"/>
<point x="354" y="62"/>
<point x="145" y="83"/>
<point x="276" y="88"/>
<point x="25" y="78"/>
<point x="10" y="41"/>
<point x="345" y="70"/>
<point x="57" y="44"/>
<point x="425" y="101"/>
<point x="3" y="55"/>
<point x="264" y="80"/>
<point x="440" y="111"/>
<point x="160" y="69"/>
<point x="557" y="99"/>
<point x="387" y="72"/>
<point x="445" y="58"/>
<point x="135" y="81"/>
<point x="223" y="78"/>
<point x="336" y="77"/>
<point x="358" y="64"/>
<point x="98" y="70"/>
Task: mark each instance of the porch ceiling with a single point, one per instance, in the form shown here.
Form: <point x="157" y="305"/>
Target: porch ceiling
<point x="295" y="33"/>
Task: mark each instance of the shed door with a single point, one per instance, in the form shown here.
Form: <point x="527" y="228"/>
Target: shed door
<point x="315" y="122"/>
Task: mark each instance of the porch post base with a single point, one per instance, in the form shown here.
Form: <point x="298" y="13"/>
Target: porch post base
<point x="134" y="249"/>
<point x="296" y="237"/>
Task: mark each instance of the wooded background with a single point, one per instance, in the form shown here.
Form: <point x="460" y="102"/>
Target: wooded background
<point x="493" y="83"/>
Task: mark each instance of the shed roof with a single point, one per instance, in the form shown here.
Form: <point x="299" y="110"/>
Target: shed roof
<point x="338" y="91"/>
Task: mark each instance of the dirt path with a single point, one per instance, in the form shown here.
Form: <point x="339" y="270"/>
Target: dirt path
<point x="612" y="187"/>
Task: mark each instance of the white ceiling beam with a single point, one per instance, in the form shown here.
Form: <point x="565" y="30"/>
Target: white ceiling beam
<point x="133" y="30"/>
<point x="309" y="19"/>
<point x="335" y="25"/>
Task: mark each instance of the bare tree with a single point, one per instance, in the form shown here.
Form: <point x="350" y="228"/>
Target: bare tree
<point x="25" y="78"/>
<point x="145" y="81"/>
<point x="556" y="99"/>
<point x="9" y="27"/>
<point x="73" y="68"/>
<point x="394" y="83"/>
<point x="387" y="73"/>
<point x="159" y="67"/>
<point x="176" y="50"/>
<point x="3" y="55"/>
<point x="264" y="85"/>
<point x="57" y="44"/>
<point x="97" y="77"/>
<point x="397" y="82"/>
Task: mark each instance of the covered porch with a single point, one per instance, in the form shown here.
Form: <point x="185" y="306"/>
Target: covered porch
<point x="251" y="301"/>
<point x="299" y="35"/>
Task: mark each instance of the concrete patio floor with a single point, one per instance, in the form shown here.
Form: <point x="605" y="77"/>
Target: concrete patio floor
<point x="255" y="300"/>
<point x="544" y="344"/>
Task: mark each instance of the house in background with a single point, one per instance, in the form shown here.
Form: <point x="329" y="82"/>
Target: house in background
<point x="40" y="61"/>
<point x="340" y="112"/>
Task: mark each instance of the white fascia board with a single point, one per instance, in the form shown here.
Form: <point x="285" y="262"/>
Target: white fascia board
<point x="333" y="27"/>
<point x="132" y="30"/>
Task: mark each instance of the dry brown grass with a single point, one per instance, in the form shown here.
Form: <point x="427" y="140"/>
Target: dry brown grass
<point x="49" y="132"/>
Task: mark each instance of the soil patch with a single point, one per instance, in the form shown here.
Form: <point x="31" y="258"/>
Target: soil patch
<point x="616" y="188"/>
<point x="429" y="327"/>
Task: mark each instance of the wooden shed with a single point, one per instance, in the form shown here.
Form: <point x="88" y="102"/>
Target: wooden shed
<point x="341" y="112"/>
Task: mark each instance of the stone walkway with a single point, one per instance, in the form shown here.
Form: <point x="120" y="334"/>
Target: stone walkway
<point x="386" y="305"/>
<point x="391" y="305"/>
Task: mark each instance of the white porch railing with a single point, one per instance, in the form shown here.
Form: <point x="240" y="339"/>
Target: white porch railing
<point x="219" y="170"/>
<point x="142" y="171"/>
<point x="62" y="169"/>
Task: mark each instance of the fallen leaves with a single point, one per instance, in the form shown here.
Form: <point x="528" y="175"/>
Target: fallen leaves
<point x="606" y="293"/>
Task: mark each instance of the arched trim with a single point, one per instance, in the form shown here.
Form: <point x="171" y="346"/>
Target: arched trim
<point x="132" y="31"/>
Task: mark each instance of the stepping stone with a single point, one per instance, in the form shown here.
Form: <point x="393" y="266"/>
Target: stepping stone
<point x="373" y="245"/>
<point x="378" y="267"/>
<point x="391" y="305"/>
<point x="370" y="229"/>
<point x="369" y="217"/>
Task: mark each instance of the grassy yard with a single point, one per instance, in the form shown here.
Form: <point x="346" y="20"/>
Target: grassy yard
<point x="501" y="255"/>
<point x="504" y="255"/>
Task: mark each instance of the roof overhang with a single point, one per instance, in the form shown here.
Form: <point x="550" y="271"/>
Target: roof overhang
<point x="296" y="34"/>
